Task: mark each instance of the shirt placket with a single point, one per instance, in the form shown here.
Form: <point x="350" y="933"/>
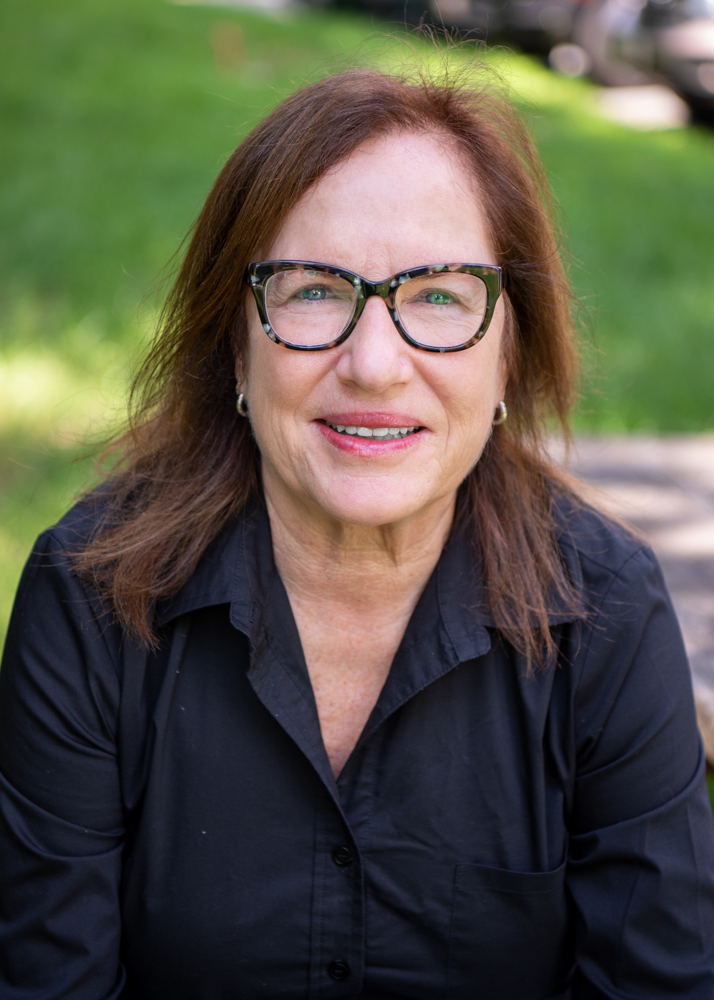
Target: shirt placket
<point x="281" y="681"/>
<point x="337" y="919"/>
<point x="279" y="677"/>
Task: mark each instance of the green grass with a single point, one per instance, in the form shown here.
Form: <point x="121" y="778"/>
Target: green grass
<point x="640" y="214"/>
<point x="115" y="117"/>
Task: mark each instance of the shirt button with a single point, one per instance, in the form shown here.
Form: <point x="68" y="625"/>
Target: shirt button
<point x="338" y="969"/>
<point x="342" y="856"/>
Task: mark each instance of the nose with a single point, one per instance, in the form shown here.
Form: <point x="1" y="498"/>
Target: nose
<point x="374" y="357"/>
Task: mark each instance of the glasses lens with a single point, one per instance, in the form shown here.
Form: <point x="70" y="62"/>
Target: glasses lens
<point x="307" y="307"/>
<point x="442" y="310"/>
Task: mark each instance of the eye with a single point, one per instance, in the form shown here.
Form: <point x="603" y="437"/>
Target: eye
<point x="438" y="298"/>
<point x="314" y="293"/>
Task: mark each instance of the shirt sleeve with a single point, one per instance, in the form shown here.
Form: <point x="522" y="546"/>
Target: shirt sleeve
<point x="61" y="823"/>
<point x="641" y="871"/>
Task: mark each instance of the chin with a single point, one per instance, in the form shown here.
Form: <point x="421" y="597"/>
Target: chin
<point x="372" y="503"/>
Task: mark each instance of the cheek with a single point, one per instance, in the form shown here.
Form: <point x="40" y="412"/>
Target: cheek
<point x="268" y="381"/>
<point x="279" y="384"/>
<point x="471" y="391"/>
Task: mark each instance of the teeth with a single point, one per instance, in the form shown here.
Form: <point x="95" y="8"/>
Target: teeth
<point x="388" y="433"/>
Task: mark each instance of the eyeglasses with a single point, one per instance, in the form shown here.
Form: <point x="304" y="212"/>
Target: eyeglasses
<point x="312" y="307"/>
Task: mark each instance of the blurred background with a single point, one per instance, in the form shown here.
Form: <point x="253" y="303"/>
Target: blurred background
<point x="116" y="116"/>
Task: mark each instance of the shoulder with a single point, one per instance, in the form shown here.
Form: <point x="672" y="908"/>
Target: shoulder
<point x="54" y="608"/>
<point x="50" y="588"/>
<point x="52" y="554"/>
<point x="60" y="684"/>
<point x="629" y="646"/>
<point x="626" y="674"/>
<point x="79" y="525"/>
<point x="628" y="662"/>
<point x="220" y="575"/>
<point x="603" y="555"/>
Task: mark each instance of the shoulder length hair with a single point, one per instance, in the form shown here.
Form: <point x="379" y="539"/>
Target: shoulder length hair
<point x="187" y="464"/>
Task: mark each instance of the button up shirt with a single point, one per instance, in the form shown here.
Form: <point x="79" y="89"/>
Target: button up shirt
<point x="170" y="827"/>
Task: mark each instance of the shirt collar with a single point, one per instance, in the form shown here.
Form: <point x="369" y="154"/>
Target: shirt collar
<point x="238" y="569"/>
<point x="448" y="627"/>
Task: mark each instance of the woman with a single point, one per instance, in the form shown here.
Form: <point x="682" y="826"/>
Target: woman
<point x="345" y="693"/>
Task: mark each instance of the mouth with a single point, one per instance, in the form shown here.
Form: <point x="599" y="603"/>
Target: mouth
<point x="375" y="433"/>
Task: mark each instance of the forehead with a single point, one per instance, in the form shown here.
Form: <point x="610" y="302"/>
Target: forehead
<point x="397" y="202"/>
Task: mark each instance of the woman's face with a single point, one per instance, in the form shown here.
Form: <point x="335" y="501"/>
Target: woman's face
<point x="396" y="203"/>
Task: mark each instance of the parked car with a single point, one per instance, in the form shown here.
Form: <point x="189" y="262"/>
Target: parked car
<point x="671" y="41"/>
<point x="619" y="42"/>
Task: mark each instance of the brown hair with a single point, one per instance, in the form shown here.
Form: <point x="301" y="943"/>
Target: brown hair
<point x="187" y="464"/>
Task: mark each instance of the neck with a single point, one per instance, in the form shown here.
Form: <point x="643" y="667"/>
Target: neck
<point x="368" y="567"/>
<point x="352" y="589"/>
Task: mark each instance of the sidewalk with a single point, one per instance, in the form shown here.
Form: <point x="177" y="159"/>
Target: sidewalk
<point x="664" y="487"/>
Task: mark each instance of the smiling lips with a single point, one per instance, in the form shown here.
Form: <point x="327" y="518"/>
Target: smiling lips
<point x="380" y="433"/>
<point x="368" y="434"/>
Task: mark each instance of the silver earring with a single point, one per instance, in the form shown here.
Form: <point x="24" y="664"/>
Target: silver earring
<point x="501" y="414"/>
<point x="241" y="405"/>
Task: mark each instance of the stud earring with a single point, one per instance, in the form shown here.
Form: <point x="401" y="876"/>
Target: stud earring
<point x="241" y="405"/>
<point x="501" y="414"/>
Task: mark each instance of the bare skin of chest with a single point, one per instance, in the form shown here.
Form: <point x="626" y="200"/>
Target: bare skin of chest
<point x="348" y="655"/>
<point x="352" y="594"/>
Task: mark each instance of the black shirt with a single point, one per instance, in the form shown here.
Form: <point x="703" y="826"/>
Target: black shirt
<point x="171" y="830"/>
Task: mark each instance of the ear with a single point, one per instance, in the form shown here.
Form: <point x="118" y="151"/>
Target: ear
<point x="240" y="352"/>
<point x="241" y="370"/>
<point x="507" y="343"/>
<point x="502" y="376"/>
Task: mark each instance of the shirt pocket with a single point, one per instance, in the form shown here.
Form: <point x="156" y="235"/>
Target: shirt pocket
<point x="510" y="935"/>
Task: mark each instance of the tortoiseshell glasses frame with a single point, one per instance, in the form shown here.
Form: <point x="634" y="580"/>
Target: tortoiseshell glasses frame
<point x="258" y="274"/>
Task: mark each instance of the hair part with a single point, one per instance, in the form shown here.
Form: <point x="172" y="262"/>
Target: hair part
<point x="186" y="465"/>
